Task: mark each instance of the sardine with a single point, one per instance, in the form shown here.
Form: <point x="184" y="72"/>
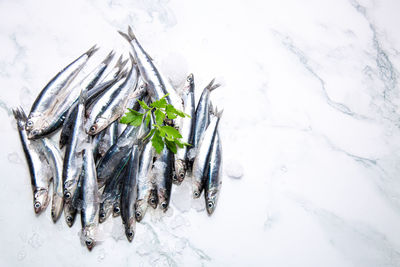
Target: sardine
<point x="158" y="86"/>
<point x="186" y="130"/>
<point x="112" y="105"/>
<point x="53" y="155"/>
<point x="37" y="124"/>
<point x="163" y="170"/>
<point x="73" y="153"/>
<point x="90" y="198"/>
<point x="144" y="181"/>
<point x="129" y="194"/>
<point x="37" y="163"/>
<point x="202" y="113"/>
<point x="200" y="164"/>
<point x="214" y="176"/>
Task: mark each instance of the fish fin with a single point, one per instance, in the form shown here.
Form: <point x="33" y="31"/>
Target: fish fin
<point x="19" y="114"/>
<point x="126" y="36"/>
<point x="132" y="59"/>
<point x="123" y="74"/>
<point x="109" y="57"/>
<point x="215" y="86"/>
<point x="130" y="33"/>
<point x="210" y="84"/>
<point x="92" y="50"/>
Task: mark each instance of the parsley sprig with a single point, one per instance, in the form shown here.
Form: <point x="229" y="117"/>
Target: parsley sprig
<point x="160" y="133"/>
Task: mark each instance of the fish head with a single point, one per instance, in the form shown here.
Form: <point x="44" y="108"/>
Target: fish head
<point x="56" y="207"/>
<point x="211" y="200"/>
<point x="140" y="209"/>
<point x="116" y="210"/>
<point x="105" y="211"/>
<point x="40" y="200"/>
<point x="163" y="200"/>
<point x="88" y="236"/>
<point x="35" y="126"/>
<point x="153" y="199"/>
<point x="189" y="84"/>
<point x="130" y="229"/>
<point x="197" y="188"/>
<point x="96" y="127"/>
<point x="70" y="214"/>
<point x="90" y="243"/>
<point x="180" y="172"/>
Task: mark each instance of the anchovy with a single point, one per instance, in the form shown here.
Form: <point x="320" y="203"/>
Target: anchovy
<point x="186" y="130"/>
<point x="111" y="194"/>
<point x="112" y="105"/>
<point x="109" y="138"/>
<point x="57" y="84"/>
<point x="143" y="181"/>
<point x="47" y="97"/>
<point x="163" y="171"/>
<point x="157" y="85"/>
<point x="111" y="78"/>
<point x="72" y="206"/>
<point x="214" y="175"/>
<point x="53" y="155"/>
<point x="37" y="163"/>
<point x="202" y="113"/>
<point x="73" y="154"/>
<point x="199" y="171"/>
<point x="96" y="144"/>
<point x="129" y="194"/>
<point x="90" y="198"/>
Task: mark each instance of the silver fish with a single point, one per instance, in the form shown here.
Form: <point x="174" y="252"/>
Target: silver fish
<point x="110" y="137"/>
<point x="47" y="97"/>
<point x="186" y="130"/>
<point x="202" y="113"/>
<point x="163" y="170"/>
<point x="74" y="204"/>
<point x="37" y="163"/>
<point x="214" y="176"/>
<point x="199" y="171"/>
<point x="129" y="194"/>
<point x="144" y="181"/>
<point x="158" y="86"/>
<point x="90" y="198"/>
<point x="53" y="155"/>
<point x="73" y="155"/>
<point x="112" y="105"/>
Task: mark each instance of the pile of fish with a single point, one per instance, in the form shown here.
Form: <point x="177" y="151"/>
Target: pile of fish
<point x="105" y="169"/>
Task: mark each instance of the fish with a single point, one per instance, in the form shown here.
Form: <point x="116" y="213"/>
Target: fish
<point x="163" y="170"/>
<point x="110" y="137"/>
<point x="111" y="195"/>
<point x="37" y="124"/>
<point x="53" y="155"/>
<point x="73" y="154"/>
<point x="112" y="105"/>
<point x="202" y="113"/>
<point x="144" y="181"/>
<point x="214" y="176"/>
<point x="129" y="194"/>
<point x="90" y="198"/>
<point x="186" y="130"/>
<point x="157" y="85"/>
<point x="199" y="171"/>
<point x="72" y="206"/>
<point x="37" y="163"/>
<point x="111" y="78"/>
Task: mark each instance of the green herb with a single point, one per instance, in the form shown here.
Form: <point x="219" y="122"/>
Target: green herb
<point x="160" y="133"/>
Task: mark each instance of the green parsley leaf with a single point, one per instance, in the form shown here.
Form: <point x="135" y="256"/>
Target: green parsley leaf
<point x="160" y="116"/>
<point x="143" y="104"/>
<point x="147" y="119"/>
<point x="171" y="146"/>
<point x="132" y="117"/>
<point x="162" y="103"/>
<point x="170" y="110"/>
<point x="157" y="142"/>
<point x="171" y="131"/>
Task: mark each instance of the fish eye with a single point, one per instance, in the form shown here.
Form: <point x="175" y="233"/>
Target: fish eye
<point x="53" y="214"/>
<point x="174" y="178"/>
<point x="116" y="209"/>
<point x="182" y="175"/>
<point x="29" y="123"/>
<point x="152" y="200"/>
<point x="37" y="205"/>
<point x="69" y="219"/>
<point x="34" y="132"/>
<point x="196" y="193"/>
<point x="93" y="129"/>
<point x="89" y="242"/>
<point x="130" y="234"/>
<point x="102" y="215"/>
<point x="164" y="205"/>
<point x="67" y="195"/>
<point x="210" y="205"/>
<point x="138" y="214"/>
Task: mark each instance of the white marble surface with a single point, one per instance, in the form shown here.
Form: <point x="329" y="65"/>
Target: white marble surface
<point x="311" y="99"/>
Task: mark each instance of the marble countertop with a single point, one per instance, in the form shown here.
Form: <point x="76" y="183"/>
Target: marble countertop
<point x="311" y="123"/>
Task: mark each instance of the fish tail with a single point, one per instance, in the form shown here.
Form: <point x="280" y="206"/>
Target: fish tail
<point x="92" y="50"/>
<point x="211" y="86"/>
<point x="130" y="33"/>
<point x="109" y="57"/>
<point x="19" y="114"/>
<point x="132" y="59"/>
